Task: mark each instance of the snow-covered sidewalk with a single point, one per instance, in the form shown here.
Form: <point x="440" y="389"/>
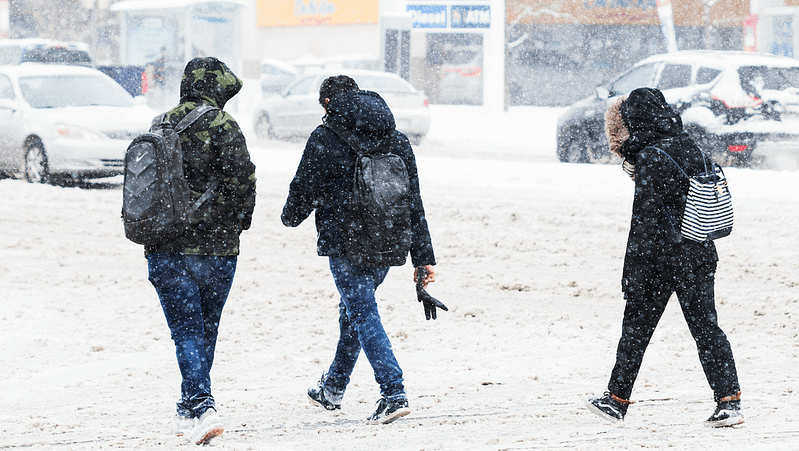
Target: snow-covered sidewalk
<point x="529" y="259"/>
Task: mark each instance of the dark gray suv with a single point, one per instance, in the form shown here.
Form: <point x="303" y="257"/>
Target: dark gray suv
<point x="730" y="103"/>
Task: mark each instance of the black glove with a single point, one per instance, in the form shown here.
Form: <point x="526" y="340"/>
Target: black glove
<point x="430" y="303"/>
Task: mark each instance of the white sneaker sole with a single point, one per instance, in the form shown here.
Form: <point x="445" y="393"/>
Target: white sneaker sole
<point x="727" y="422"/>
<point x="593" y="409"/>
<point x="397" y="414"/>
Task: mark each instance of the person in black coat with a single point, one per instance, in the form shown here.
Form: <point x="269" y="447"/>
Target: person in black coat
<point x="659" y="261"/>
<point x="323" y="182"/>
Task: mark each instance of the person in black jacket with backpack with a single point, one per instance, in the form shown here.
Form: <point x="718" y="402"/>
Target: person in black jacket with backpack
<point x="659" y="261"/>
<point x="324" y="182"/>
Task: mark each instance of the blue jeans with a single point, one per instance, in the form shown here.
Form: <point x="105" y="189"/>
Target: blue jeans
<point x="360" y="328"/>
<point x="193" y="290"/>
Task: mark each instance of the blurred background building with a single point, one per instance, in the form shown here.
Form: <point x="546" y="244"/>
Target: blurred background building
<point x="556" y="51"/>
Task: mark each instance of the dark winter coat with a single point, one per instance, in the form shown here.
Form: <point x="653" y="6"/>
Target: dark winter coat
<point x="656" y="251"/>
<point x="213" y="149"/>
<point x="324" y="178"/>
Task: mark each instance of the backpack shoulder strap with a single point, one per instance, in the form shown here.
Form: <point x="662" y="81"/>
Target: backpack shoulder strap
<point x="157" y="120"/>
<point x="670" y="158"/>
<point x="193" y="116"/>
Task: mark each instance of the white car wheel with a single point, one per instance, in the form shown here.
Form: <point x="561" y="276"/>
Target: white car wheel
<point x="37" y="168"/>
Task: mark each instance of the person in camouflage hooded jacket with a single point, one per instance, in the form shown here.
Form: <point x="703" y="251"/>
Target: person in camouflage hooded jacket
<point x="213" y="148"/>
<point x="193" y="273"/>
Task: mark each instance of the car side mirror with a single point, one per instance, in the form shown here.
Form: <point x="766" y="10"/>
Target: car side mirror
<point x="602" y="93"/>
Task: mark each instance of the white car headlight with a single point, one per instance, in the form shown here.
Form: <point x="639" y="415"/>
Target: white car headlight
<point x="75" y="132"/>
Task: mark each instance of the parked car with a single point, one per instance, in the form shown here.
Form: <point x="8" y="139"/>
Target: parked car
<point x="729" y="102"/>
<point x="65" y="121"/>
<point x="35" y="50"/>
<point x="296" y="112"/>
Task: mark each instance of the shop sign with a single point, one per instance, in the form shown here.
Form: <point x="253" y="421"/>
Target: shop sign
<point x="450" y="16"/>
<point x="470" y="16"/>
<point x="428" y="16"/>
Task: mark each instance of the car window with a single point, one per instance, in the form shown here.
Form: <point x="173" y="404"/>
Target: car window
<point x="6" y="90"/>
<point x="303" y="86"/>
<point x="383" y="84"/>
<point x="638" y="77"/>
<point x="675" y="76"/>
<point x="705" y="75"/>
<point x="754" y="78"/>
<point x="57" y="91"/>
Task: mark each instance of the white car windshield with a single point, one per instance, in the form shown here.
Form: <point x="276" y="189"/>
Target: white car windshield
<point x="58" y="91"/>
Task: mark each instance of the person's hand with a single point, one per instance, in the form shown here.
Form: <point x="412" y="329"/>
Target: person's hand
<point x="421" y="276"/>
<point x="429" y="277"/>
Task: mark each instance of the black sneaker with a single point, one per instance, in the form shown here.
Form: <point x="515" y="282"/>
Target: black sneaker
<point x="608" y="407"/>
<point x="728" y="413"/>
<point x="317" y="396"/>
<point x="388" y="411"/>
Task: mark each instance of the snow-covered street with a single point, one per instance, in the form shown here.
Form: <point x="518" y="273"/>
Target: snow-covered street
<point x="529" y="255"/>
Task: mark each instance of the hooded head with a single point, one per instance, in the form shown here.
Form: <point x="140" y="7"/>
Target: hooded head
<point x="361" y="118"/>
<point x="209" y="80"/>
<point x="637" y="120"/>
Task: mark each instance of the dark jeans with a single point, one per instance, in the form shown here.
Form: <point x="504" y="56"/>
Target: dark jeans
<point x="193" y="290"/>
<point x="641" y="315"/>
<point x="360" y="328"/>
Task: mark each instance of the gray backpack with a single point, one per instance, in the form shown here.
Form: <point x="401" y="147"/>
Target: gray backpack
<point x="156" y="199"/>
<point x="379" y="223"/>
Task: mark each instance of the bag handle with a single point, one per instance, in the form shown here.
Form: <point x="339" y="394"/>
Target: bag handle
<point x="704" y="160"/>
<point x="673" y="161"/>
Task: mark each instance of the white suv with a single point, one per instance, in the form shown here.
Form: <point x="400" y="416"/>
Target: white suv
<point x="729" y="101"/>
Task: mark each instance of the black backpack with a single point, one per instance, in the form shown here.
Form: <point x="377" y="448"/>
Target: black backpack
<point x="156" y="199"/>
<point x="378" y="228"/>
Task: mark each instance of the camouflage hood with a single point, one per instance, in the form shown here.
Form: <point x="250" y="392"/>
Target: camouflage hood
<point x="209" y="80"/>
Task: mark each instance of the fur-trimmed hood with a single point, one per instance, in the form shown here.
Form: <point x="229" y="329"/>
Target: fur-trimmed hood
<point x="639" y="119"/>
<point x="615" y="130"/>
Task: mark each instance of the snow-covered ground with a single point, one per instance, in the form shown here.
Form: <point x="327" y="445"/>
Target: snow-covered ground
<point x="529" y="259"/>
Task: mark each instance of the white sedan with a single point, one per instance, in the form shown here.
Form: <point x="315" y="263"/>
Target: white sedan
<point x="297" y="112"/>
<point x="65" y="122"/>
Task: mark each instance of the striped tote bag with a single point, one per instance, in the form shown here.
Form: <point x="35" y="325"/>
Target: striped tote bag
<point x="708" y="211"/>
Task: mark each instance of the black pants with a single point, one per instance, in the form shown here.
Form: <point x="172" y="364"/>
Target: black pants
<point x="645" y="306"/>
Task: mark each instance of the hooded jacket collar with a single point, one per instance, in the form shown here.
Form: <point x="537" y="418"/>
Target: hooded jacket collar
<point x="648" y="118"/>
<point x="363" y="120"/>
<point x="209" y="80"/>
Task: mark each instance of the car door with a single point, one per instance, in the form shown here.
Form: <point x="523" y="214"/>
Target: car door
<point x="10" y="150"/>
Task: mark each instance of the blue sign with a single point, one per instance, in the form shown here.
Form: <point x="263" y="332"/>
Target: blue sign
<point x="428" y="16"/>
<point x="470" y="16"/>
